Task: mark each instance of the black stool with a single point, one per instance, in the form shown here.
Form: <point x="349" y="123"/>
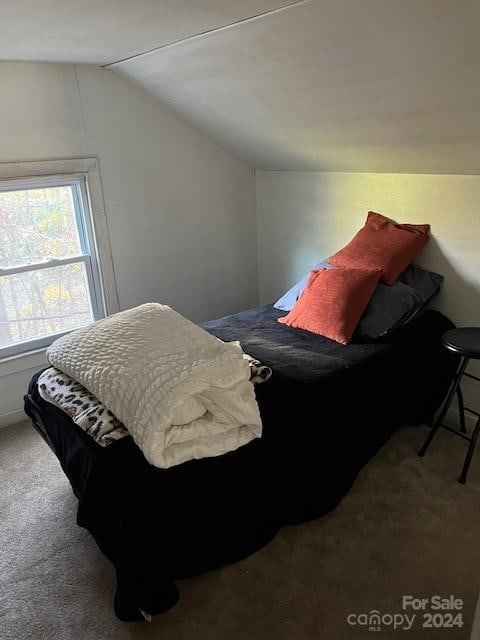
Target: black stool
<point x="466" y="343"/>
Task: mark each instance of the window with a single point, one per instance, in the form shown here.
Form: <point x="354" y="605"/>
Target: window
<point x="49" y="273"/>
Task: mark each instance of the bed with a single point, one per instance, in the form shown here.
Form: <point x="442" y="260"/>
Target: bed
<point x="326" y="411"/>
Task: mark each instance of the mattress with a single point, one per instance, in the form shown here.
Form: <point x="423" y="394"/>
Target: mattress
<point x="326" y="411"/>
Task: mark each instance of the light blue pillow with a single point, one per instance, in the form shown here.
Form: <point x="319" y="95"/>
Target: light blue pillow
<point x="286" y="302"/>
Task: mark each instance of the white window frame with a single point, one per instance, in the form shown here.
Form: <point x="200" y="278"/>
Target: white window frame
<point x="83" y="176"/>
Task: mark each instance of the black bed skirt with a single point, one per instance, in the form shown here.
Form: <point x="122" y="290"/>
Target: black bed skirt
<point x="159" y="525"/>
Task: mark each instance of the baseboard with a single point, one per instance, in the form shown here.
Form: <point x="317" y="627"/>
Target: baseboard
<point x="452" y="419"/>
<point x="18" y="415"/>
<point x="475" y="634"/>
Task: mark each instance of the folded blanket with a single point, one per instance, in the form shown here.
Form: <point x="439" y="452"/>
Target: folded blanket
<point x="91" y="415"/>
<point x="180" y="392"/>
<point x="84" y="409"/>
<point x="258" y="372"/>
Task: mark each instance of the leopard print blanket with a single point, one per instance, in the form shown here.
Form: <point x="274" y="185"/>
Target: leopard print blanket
<point x="85" y="410"/>
<point x="91" y="415"/>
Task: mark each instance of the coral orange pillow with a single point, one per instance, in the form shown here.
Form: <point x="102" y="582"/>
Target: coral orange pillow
<point x="333" y="302"/>
<point x="382" y="244"/>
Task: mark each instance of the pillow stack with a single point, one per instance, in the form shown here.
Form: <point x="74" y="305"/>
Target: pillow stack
<point x="334" y="300"/>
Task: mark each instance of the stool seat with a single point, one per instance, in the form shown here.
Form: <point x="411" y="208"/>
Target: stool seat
<point x="464" y="341"/>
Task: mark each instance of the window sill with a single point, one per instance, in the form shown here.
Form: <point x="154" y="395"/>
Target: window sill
<point x="23" y="362"/>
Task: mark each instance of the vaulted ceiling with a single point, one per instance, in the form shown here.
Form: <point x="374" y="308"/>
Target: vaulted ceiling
<point x="361" y="85"/>
<point x="104" y="31"/>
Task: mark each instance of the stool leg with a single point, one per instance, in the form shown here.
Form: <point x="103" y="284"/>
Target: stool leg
<point x="446" y="406"/>
<point x="461" y="410"/>
<point x="471" y="449"/>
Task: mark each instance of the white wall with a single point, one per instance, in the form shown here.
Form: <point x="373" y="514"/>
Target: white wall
<point x="304" y="217"/>
<point x="180" y="210"/>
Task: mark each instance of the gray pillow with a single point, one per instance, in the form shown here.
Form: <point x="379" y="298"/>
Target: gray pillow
<point x="426" y="282"/>
<point x="395" y="305"/>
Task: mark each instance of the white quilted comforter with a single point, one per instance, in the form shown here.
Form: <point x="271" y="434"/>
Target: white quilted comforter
<point x="181" y="393"/>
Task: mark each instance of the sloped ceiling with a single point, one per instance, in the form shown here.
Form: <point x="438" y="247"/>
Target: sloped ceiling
<point x="104" y="31"/>
<point x="348" y="85"/>
<point x="368" y="85"/>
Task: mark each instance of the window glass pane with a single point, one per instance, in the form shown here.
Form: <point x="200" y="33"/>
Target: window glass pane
<point x="43" y="302"/>
<point x="37" y="224"/>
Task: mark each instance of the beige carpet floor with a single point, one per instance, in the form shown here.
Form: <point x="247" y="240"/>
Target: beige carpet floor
<point x="406" y="527"/>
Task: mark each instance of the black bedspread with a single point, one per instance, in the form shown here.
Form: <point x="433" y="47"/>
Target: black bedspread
<point x="303" y="356"/>
<point x="327" y="409"/>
